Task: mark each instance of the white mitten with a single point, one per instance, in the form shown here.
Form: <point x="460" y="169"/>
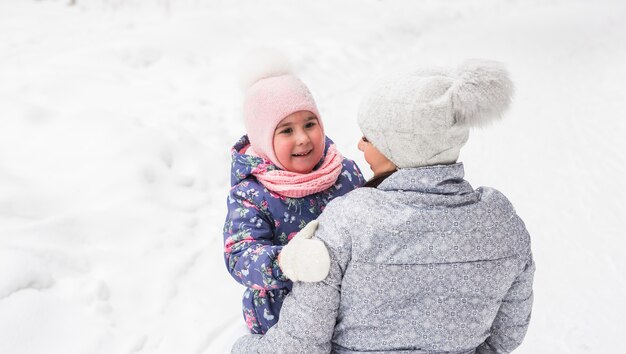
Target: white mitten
<point x="305" y="259"/>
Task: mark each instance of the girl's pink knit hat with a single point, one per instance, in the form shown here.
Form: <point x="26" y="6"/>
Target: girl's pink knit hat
<point x="274" y="94"/>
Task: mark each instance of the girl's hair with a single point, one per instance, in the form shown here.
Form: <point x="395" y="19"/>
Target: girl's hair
<point x="376" y="180"/>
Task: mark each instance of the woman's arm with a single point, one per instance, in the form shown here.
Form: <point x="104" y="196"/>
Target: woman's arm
<point x="307" y="318"/>
<point x="511" y="322"/>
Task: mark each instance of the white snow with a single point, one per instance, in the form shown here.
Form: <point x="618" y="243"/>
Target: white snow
<point x="116" y="119"/>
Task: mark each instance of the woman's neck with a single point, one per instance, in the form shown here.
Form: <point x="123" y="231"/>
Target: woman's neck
<point x="378" y="179"/>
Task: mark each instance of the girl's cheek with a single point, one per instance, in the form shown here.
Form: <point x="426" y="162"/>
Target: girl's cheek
<point x="319" y="136"/>
<point x="281" y="147"/>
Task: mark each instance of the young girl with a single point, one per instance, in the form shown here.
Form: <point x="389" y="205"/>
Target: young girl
<point x="284" y="172"/>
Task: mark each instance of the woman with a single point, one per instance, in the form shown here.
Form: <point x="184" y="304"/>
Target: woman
<point x="420" y="262"/>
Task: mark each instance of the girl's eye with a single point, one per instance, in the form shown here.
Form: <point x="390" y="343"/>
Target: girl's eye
<point x="365" y="140"/>
<point x="286" y="131"/>
<point x="310" y="125"/>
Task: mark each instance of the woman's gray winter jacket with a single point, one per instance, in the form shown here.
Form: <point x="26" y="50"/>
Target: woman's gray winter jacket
<point x="422" y="264"/>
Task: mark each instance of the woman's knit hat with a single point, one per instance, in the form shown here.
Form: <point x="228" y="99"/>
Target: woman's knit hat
<point x="423" y="118"/>
<point x="272" y="93"/>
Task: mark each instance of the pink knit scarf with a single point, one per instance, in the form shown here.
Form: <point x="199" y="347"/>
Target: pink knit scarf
<point x="298" y="185"/>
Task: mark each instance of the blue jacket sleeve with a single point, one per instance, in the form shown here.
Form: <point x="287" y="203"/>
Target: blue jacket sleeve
<point x="249" y="251"/>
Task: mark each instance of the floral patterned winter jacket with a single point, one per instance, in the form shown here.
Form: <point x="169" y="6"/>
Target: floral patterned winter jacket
<point x="259" y="223"/>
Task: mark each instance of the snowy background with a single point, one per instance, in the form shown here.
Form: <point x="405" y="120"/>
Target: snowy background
<point x="116" y="119"/>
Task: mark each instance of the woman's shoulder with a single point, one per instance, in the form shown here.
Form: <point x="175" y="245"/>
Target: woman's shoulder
<point x="494" y="199"/>
<point x="357" y="201"/>
<point x="500" y="211"/>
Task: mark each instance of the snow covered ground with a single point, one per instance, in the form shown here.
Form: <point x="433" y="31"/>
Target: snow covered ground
<point x="116" y="118"/>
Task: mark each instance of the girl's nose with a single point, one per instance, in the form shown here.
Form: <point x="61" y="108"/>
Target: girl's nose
<point x="302" y="138"/>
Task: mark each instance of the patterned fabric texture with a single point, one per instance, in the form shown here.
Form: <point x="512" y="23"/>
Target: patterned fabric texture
<point x="258" y="224"/>
<point x="422" y="264"/>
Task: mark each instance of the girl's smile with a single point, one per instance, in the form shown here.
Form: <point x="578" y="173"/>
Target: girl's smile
<point x="302" y="154"/>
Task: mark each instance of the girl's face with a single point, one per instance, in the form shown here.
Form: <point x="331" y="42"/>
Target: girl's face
<point x="378" y="162"/>
<point x="299" y="142"/>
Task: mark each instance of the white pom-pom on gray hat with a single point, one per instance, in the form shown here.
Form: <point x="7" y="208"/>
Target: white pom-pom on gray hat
<point x="423" y="118"/>
<point x="262" y="63"/>
<point x="481" y="93"/>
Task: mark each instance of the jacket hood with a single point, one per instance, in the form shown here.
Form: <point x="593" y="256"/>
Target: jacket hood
<point x="243" y="165"/>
